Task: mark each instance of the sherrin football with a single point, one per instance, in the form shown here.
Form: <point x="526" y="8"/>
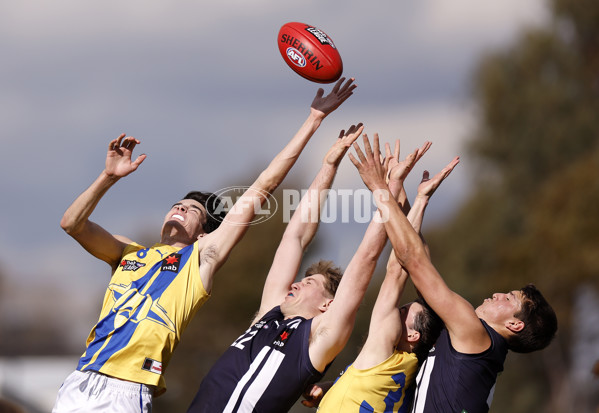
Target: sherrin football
<point x="310" y="52"/>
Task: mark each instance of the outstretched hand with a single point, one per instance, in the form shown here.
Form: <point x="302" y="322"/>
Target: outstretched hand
<point x="343" y="143"/>
<point x="428" y="186"/>
<point x="324" y="105"/>
<point x="372" y="170"/>
<point x="118" y="158"/>
<point x="399" y="170"/>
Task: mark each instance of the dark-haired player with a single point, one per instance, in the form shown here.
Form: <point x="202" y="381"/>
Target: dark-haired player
<point x="154" y="292"/>
<point x="460" y="374"/>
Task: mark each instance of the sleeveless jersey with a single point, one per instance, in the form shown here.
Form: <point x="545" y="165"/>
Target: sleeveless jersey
<point x="386" y="387"/>
<point x="450" y="381"/>
<point x="151" y="298"/>
<point x="265" y="370"/>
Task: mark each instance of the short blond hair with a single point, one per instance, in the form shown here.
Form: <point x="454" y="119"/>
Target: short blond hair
<point x="332" y="274"/>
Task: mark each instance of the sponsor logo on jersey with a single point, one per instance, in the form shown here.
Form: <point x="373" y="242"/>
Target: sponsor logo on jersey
<point x="153" y="366"/>
<point x="131" y="265"/>
<point x="171" y="263"/>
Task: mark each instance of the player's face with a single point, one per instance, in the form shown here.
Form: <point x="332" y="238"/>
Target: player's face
<point x="307" y="297"/>
<point x="186" y="216"/>
<point x="500" y="307"/>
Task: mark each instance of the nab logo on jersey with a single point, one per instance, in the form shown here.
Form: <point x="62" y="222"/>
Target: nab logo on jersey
<point x="171" y="263"/>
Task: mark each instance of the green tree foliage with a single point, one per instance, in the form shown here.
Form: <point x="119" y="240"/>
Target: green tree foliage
<point x="533" y="217"/>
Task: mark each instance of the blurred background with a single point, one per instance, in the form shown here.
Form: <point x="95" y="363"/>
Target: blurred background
<point x="512" y="87"/>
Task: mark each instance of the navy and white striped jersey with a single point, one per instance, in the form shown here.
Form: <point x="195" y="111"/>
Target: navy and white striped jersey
<point x="450" y="381"/>
<point x="265" y="370"/>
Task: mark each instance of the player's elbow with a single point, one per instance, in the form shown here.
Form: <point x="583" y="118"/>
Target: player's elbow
<point x="72" y="226"/>
<point x="67" y="225"/>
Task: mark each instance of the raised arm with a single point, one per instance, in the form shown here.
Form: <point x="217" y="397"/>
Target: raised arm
<point x="303" y="225"/>
<point x="75" y="221"/>
<point x="331" y="330"/>
<point x="467" y="333"/>
<point x="385" y="325"/>
<point x="216" y="246"/>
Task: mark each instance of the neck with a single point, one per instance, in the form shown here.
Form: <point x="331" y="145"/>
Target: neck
<point x="174" y="241"/>
<point x="291" y="313"/>
<point x="404" y="346"/>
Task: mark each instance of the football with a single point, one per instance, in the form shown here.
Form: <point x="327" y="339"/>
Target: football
<point x="310" y="52"/>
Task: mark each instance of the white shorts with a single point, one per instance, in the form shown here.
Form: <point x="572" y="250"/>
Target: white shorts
<point x="91" y="392"/>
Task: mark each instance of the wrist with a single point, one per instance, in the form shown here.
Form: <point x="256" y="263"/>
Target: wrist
<point x="316" y="115"/>
<point x="108" y="177"/>
<point x="422" y="198"/>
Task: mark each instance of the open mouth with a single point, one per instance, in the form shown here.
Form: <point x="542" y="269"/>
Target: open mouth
<point x="178" y="217"/>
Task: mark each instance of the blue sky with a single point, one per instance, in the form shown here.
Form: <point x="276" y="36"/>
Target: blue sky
<point x="204" y="88"/>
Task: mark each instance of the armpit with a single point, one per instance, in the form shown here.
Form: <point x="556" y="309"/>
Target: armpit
<point x="208" y="254"/>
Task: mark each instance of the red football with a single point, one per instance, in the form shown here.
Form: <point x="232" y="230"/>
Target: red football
<point x="310" y="52"/>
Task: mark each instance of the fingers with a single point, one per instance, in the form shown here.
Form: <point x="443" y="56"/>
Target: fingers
<point x="128" y="143"/>
<point x="354" y="160"/>
<point x="359" y="152"/>
<point x="447" y="170"/>
<point x="344" y="91"/>
<point x="387" y="150"/>
<point x="423" y="149"/>
<point x="139" y="160"/>
<point x="352" y="129"/>
<point x="376" y="148"/>
<point x="347" y="87"/>
<point x="429" y="186"/>
<point x="337" y="85"/>
<point x="115" y="143"/>
<point x="367" y="147"/>
<point x="353" y="133"/>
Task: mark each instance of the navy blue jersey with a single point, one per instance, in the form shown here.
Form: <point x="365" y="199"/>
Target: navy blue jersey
<point x="450" y="381"/>
<point x="265" y="370"/>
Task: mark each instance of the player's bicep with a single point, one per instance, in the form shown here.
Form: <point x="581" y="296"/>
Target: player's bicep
<point x="383" y="336"/>
<point x="282" y="273"/>
<point x="100" y="243"/>
<point x="467" y="333"/>
<point x="235" y="224"/>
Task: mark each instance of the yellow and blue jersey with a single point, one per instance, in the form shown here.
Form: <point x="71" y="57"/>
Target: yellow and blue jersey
<point x="152" y="296"/>
<point x="386" y="387"/>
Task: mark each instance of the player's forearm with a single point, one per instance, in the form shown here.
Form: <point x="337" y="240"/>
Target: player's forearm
<point x="277" y="170"/>
<point x="394" y="269"/>
<point x="416" y="214"/>
<point x="79" y="211"/>
<point x="372" y="243"/>
<point x="306" y="218"/>
<point x="406" y="242"/>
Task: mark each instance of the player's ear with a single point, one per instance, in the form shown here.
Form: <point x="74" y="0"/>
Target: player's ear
<point x="413" y="336"/>
<point x="514" y="325"/>
<point x="325" y="305"/>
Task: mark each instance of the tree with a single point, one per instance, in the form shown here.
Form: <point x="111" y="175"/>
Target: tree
<point x="532" y="216"/>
